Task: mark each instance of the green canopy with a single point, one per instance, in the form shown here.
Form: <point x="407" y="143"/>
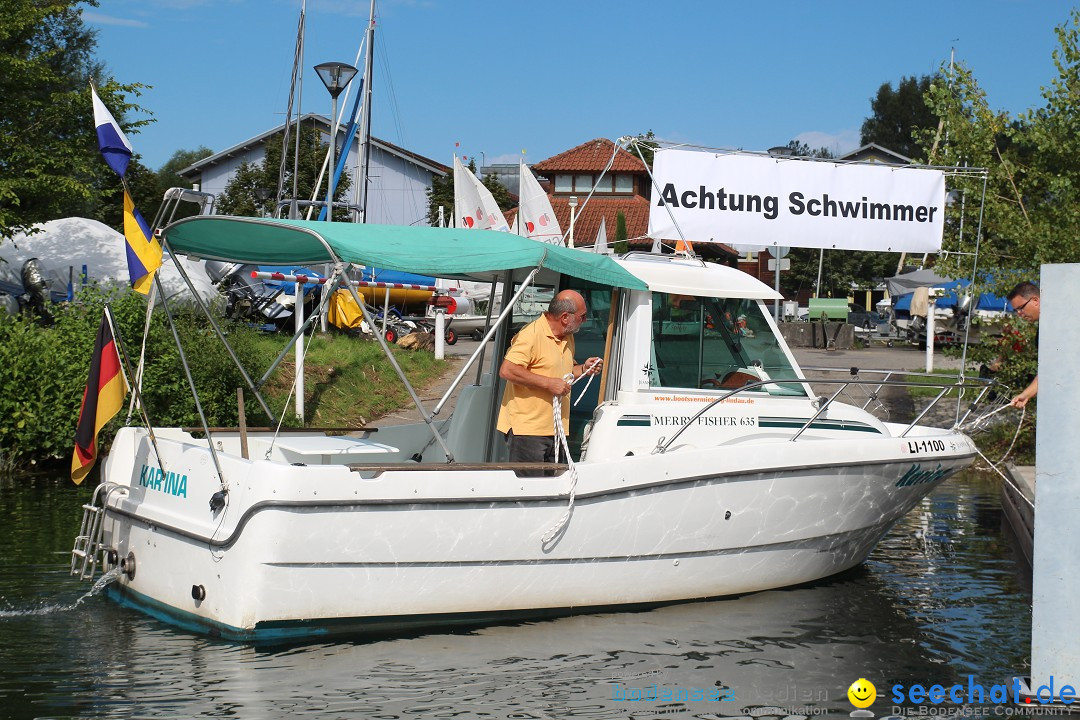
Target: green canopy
<point x="440" y="252"/>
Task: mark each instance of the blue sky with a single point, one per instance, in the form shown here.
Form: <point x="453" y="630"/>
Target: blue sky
<point x="544" y="76"/>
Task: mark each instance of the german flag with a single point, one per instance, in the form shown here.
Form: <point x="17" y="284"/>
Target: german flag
<point x="102" y="399"/>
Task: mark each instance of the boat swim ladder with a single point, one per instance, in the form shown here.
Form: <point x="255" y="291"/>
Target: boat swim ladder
<point x="87" y="550"/>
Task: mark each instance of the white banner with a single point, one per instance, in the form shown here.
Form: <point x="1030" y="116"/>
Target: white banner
<point x="761" y="200"/>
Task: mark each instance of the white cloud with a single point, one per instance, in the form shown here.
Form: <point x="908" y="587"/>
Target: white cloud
<point x="839" y="142"/>
<point x="506" y="159"/>
<point x="102" y="19"/>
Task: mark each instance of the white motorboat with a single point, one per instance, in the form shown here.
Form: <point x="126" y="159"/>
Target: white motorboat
<point x="707" y="467"/>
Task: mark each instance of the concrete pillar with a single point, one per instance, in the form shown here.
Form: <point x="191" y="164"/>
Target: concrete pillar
<point x="1055" y="618"/>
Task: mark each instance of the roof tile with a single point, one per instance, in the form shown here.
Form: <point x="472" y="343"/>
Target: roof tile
<point x="591" y="156"/>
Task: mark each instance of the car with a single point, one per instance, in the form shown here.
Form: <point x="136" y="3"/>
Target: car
<point x="860" y="317"/>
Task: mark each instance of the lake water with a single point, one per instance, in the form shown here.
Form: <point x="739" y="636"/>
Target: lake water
<point x="941" y="598"/>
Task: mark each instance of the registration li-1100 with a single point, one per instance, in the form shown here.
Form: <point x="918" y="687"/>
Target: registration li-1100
<point x="925" y="446"/>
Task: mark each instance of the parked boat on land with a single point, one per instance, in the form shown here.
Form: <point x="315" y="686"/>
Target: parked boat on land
<point x="704" y="465"/>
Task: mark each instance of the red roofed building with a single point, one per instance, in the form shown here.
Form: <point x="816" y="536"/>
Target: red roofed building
<point x="624" y="187"/>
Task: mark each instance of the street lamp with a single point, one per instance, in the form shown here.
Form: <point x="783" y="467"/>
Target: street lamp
<point x="262" y="195"/>
<point x="573" y="208"/>
<point x="335" y="77"/>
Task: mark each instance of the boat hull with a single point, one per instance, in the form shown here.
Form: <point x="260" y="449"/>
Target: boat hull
<point x="320" y="549"/>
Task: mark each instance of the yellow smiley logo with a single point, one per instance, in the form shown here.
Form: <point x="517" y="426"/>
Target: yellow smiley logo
<point x="862" y="693"/>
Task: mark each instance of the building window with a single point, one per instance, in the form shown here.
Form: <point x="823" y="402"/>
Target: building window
<point x="624" y="184"/>
<point x="604" y="184"/>
<point x="583" y="183"/>
<point x="564" y="183"/>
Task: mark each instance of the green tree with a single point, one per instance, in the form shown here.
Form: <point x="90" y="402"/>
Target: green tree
<point x="168" y="176"/>
<point x="440" y="194"/>
<point x="899" y="115"/>
<point x="502" y="196"/>
<point x="842" y="271"/>
<point x="801" y="149"/>
<point x="620" y="247"/>
<point x="647" y="143"/>
<point x="239" y="196"/>
<point x="1026" y="206"/>
<point x="1032" y="196"/>
<point x="49" y="161"/>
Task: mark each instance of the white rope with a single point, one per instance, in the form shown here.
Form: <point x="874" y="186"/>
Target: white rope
<point x="977" y="422"/>
<point x="996" y="466"/>
<point x="982" y="418"/>
<point x="1004" y="477"/>
<point x="560" y="442"/>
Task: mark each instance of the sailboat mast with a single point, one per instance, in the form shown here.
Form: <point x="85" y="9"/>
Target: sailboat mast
<point x="294" y="211"/>
<point x="365" y="150"/>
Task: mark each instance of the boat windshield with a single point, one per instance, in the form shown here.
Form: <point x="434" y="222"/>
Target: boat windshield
<point x="714" y="342"/>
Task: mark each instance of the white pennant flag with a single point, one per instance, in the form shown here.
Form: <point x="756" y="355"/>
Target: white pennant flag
<point x="601" y="246"/>
<point x="537" y="217"/>
<point x="474" y="206"/>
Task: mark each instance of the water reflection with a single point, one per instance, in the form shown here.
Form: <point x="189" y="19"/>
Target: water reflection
<point x="939" y="599"/>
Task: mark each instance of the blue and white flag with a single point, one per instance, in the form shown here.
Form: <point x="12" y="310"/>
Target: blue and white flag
<point x="115" y="148"/>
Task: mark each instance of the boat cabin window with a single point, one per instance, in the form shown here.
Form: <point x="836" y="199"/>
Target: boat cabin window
<point x="702" y="342"/>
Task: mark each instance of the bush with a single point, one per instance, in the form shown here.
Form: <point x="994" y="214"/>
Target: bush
<point x="43" y="372"/>
<point x="1013" y="353"/>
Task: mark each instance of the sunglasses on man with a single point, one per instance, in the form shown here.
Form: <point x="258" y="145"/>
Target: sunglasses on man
<point x="1019" y="309"/>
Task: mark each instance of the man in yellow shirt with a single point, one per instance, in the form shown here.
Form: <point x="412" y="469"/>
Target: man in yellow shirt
<point x="539" y="358"/>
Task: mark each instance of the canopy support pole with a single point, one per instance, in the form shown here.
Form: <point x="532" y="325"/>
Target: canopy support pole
<point x="217" y="331"/>
<point x="507" y="309"/>
<point x="508" y="289"/>
<point x="487" y="324"/>
<point x="382" y="341"/>
<point x="401" y="375"/>
<point x="323" y="302"/>
<point x="191" y="385"/>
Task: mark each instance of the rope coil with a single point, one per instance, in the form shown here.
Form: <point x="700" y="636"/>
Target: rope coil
<point x="561" y="444"/>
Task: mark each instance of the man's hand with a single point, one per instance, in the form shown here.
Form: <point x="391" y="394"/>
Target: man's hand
<point x="1020" y="400"/>
<point x="558" y="386"/>
<point x="1029" y="392"/>
<point x="592" y="366"/>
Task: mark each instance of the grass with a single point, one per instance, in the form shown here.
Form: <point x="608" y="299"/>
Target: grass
<point x="348" y="382"/>
<point x="930" y="391"/>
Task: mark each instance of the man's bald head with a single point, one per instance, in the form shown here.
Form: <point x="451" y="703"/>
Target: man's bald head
<point x="566" y="312"/>
<point x="568" y="301"/>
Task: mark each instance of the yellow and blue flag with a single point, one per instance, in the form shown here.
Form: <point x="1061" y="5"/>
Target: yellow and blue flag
<point x="143" y="249"/>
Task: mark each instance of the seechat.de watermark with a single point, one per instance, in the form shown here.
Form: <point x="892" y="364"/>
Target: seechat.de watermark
<point x="670" y="693"/>
<point x="977" y="693"/>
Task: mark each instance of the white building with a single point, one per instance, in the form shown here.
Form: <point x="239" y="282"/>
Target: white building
<point x="398" y="180"/>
